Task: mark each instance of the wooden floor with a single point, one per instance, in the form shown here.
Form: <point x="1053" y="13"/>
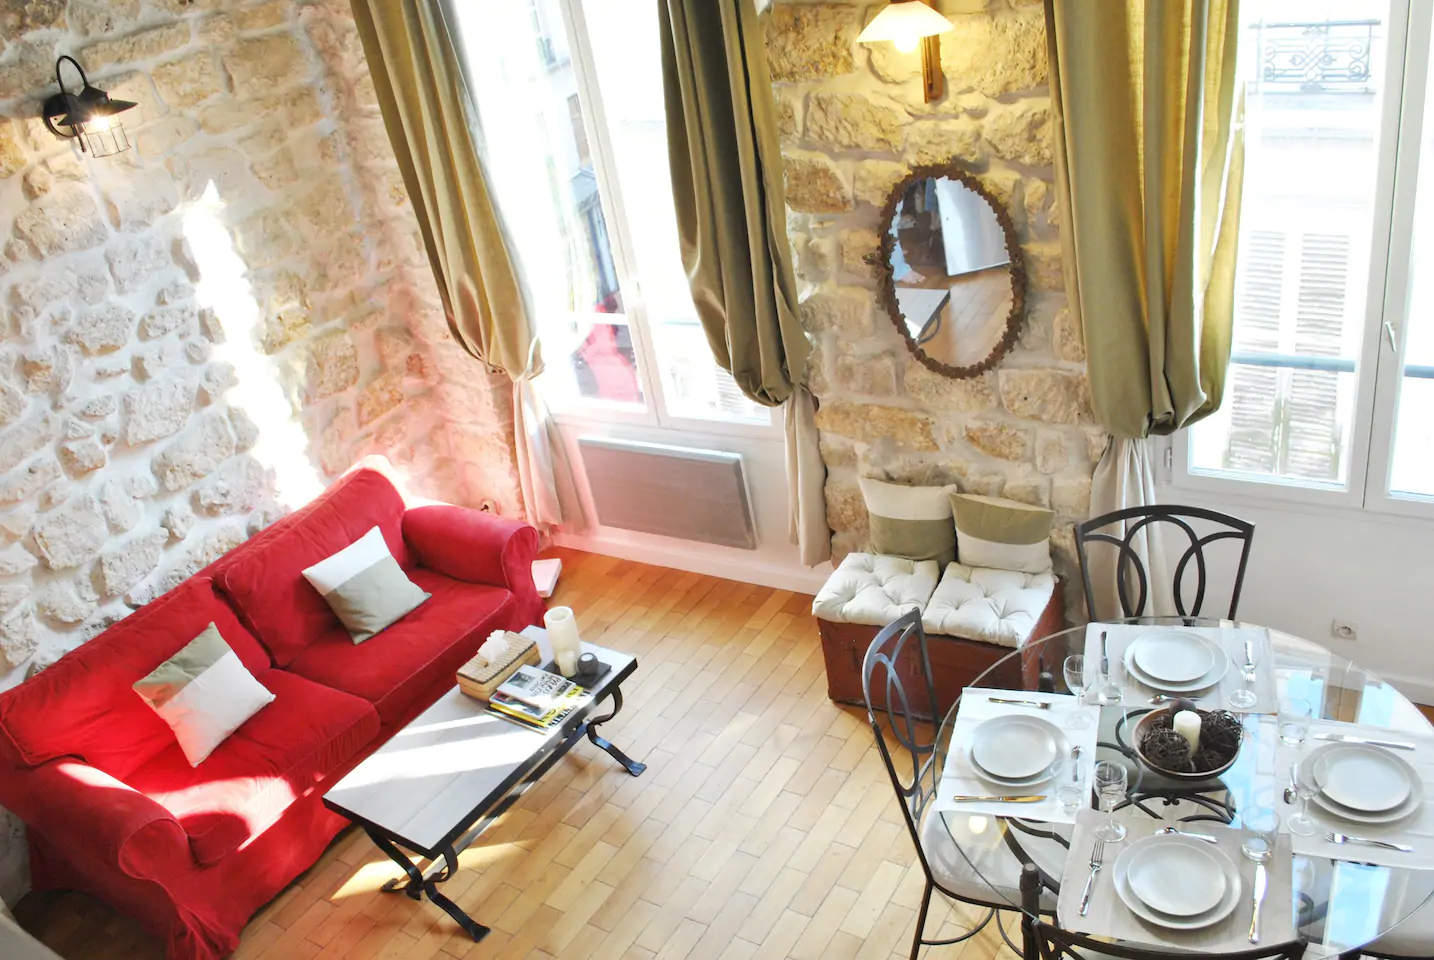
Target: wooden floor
<point x="765" y="826"/>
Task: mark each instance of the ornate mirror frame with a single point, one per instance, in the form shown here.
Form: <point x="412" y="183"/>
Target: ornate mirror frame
<point x="886" y="288"/>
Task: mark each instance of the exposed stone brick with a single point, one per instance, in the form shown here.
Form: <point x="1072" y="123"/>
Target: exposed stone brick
<point x="811" y="41"/>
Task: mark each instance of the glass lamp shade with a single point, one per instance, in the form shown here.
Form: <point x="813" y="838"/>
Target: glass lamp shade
<point x="904" y="23"/>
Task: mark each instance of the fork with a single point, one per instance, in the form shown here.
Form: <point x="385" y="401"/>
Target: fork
<point x="1342" y="838"/>
<point x="1097" y="858"/>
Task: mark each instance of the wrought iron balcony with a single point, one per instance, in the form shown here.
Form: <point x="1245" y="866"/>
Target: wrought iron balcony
<point x="1332" y="56"/>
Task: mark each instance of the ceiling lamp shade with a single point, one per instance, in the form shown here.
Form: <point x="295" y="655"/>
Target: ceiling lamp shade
<point x="90" y="116"/>
<point x="905" y="23"/>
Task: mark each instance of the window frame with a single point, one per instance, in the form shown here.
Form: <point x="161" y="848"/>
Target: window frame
<point x="1378" y="369"/>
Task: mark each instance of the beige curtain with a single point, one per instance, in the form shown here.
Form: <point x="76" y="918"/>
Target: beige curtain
<point x="731" y="215"/>
<point x="1149" y="167"/>
<point x="414" y="58"/>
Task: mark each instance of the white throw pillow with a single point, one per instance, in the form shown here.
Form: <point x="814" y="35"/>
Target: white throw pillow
<point x="365" y="586"/>
<point x="204" y="692"/>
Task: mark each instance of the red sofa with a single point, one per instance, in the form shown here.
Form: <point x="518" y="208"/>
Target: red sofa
<point x="113" y="807"/>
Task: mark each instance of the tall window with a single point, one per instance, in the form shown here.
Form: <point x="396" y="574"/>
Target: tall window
<point x="1331" y="311"/>
<point x="574" y="135"/>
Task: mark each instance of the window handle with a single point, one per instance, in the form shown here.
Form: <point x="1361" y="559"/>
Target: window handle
<point x="1389" y="332"/>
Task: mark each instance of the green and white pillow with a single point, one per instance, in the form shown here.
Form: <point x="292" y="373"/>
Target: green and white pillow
<point x="365" y="586"/>
<point x="910" y="522"/>
<point x="204" y="693"/>
<point x="1005" y="534"/>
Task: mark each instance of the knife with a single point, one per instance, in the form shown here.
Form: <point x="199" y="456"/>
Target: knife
<point x="1349" y="738"/>
<point x="1034" y="798"/>
<point x="1260" y="880"/>
<point x="1020" y="703"/>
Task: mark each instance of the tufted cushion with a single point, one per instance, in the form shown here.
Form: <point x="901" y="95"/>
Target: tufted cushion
<point x="981" y="603"/>
<point x="873" y="589"/>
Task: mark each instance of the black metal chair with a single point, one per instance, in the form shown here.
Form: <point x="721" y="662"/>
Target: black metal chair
<point x="1046" y="941"/>
<point x="1128" y="564"/>
<point x="906" y="739"/>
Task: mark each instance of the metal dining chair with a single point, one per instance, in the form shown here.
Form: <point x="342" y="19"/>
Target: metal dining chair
<point x="1192" y="562"/>
<point x="907" y="740"/>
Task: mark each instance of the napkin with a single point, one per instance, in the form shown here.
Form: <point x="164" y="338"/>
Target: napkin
<point x="958" y="776"/>
<point x="1110" y="917"/>
<point x="1229" y="639"/>
<point x="1416" y="830"/>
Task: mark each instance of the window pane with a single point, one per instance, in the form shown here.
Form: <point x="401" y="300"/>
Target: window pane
<point x="1312" y="71"/>
<point x="628" y="60"/>
<point x="1412" y="470"/>
<point x="541" y="174"/>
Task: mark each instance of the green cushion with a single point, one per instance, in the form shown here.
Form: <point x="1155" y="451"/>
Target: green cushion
<point x="910" y="522"/>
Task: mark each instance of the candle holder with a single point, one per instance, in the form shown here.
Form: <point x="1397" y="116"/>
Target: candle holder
<point x="1165" y="751"/>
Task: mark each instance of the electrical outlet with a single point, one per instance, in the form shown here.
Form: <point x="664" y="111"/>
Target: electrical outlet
<point x="1344" y="630"/>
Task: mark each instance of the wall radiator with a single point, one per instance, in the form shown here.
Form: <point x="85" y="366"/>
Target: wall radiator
<point x="671" y="491"/>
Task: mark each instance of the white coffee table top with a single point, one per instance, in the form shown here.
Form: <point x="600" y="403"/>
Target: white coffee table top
<point x="452" y="762"/>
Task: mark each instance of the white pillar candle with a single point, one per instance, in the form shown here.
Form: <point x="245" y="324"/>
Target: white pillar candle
<point x="563" y="634"/>
<point x="1187" y="724"/>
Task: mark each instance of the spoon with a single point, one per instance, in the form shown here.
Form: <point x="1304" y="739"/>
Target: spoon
<point x="1177" y="832"/>
<point x="1259" y="857"/>
<point x="1291" y="795"/>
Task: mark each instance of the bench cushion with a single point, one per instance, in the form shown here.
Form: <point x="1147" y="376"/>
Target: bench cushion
<point x="982" y="603"/>
<point x="874" y="589"/>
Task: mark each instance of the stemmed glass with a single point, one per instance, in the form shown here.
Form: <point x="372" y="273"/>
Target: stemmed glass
<point x="1246" y="660"/>
<point x="1110" y="782"/>
<point x="1076" y="681"/>
<point x="1306" y="782"/>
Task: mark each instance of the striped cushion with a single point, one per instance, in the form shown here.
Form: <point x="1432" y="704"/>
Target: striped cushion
<point x="204" y="693"/>
<point x="1004" y="534"/>
<point x="365" y="586"/>
<point x="910" y="522"/>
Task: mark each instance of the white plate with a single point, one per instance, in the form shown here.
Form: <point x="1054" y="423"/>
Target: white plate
<point x="1178" y="879"/>
<point x="1212" y="677"/>
<point x="1221" y="910"/>
<point x="1015" y="747"/>
<point x="1411" y="803"/>
<point x="1363" y="778"/>
<point x="1172" y="656"/>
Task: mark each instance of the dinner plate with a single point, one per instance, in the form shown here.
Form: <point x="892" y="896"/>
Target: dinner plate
<point x="1364" y="778"/>
<point x="1212" y="677"/>
<point x="1226" y="905"/>
<point x="1014" y="748"/>
<point x="1173" y="656"/>
<point x="1177" y="879"/>
<point x="1411" y="803"/>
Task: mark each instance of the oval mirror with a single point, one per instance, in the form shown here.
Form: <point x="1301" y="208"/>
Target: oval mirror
<point x="951" y="274"/>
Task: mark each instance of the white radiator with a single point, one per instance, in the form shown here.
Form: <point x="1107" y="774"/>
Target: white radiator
<point x="671" y="491"/>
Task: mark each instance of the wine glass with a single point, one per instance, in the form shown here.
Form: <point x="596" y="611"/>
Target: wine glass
<point x="1110" y="781"/>
<point x="1295" y="717"/>
<point x="1246" y="660"/>
<point x="1306" y="780"/>
<point x="1076" y="681"/>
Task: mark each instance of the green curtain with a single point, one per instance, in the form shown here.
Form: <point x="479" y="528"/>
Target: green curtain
<point x="1149" y="156"/>
<point x="731" y="214"/>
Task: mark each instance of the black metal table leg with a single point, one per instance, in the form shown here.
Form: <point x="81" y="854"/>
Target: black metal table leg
<point x="631" y="765"/>
<point x="418" y="885"/>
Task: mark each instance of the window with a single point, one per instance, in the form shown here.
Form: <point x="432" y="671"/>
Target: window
<point x="573" y="129"/>
<point x="1322" y="399"/>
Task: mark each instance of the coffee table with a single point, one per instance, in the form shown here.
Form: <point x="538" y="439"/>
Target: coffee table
<point x="443" y="779"/>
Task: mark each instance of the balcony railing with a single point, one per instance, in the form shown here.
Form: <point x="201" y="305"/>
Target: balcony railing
<point x="1332" y="56"/>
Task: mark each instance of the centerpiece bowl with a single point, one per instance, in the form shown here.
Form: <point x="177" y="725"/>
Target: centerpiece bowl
<point x="1159" y="747"/>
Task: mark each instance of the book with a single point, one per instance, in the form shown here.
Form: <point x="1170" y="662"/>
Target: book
<point x="527" y="715"/>
<point x="535" y="687"/>
<point x="545" y="575"/>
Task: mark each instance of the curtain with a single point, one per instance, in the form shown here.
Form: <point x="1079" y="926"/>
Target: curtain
<point x="731" y="215"/>
<point x="413" y="52"/>
<point x="1149" y="155"/>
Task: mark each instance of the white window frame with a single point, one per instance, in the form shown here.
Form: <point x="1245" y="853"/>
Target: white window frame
<point x="1379" y="370"/>
<point x="654" y="410"/>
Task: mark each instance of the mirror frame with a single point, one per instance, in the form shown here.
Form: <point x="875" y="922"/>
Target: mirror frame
<point x="886" y="290"/>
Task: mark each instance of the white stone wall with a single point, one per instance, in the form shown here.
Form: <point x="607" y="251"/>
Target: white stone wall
<point x="202" y="332"/>
<point x="853" y="122"/>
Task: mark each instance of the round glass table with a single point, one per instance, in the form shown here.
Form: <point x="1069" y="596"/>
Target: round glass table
<point x="1339" y="905"/>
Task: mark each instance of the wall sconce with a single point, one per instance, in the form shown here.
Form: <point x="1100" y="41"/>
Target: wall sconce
<point x="89" y="116"/>
<point x="909" y="24"/>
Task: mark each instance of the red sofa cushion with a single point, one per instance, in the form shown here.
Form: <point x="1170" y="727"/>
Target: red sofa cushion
<point x="84" y="705"/>
<point x="265" y="577"/>
<point x="282" y="752"/>
<point x="428" y="645"/>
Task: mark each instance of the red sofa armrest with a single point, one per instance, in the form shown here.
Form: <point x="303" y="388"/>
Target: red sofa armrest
<point x="473" y="546"/>
<point x="73" y="803"/>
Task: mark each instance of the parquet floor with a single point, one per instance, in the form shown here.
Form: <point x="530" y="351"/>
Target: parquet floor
<point x="765" y="826"/>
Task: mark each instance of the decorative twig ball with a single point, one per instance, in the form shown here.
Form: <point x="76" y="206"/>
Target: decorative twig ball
<point x="1164" y="749"/>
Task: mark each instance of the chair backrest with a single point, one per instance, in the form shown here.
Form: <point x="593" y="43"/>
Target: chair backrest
<point x="906" y="740"/>
<point x="1129" y="568"/>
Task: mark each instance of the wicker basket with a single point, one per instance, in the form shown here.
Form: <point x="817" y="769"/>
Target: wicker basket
<point x="479" y="678"/>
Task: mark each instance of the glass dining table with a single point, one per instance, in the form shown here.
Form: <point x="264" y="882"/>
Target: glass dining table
<point x="1339" y="905"/>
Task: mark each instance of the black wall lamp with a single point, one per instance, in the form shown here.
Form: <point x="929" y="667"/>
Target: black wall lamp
<point x="89" y="116"/>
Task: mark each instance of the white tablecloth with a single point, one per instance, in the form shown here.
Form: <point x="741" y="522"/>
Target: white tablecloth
<point x="958" y="777"/>
<point x="1229" y="639"/>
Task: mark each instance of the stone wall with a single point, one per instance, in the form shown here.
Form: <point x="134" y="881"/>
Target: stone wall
<point x="853" y="121"/>
<point x="202" y="332"/>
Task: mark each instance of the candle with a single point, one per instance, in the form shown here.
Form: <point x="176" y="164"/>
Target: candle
<point x="1187" y="724"/>
<point x="563" y="634"/>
